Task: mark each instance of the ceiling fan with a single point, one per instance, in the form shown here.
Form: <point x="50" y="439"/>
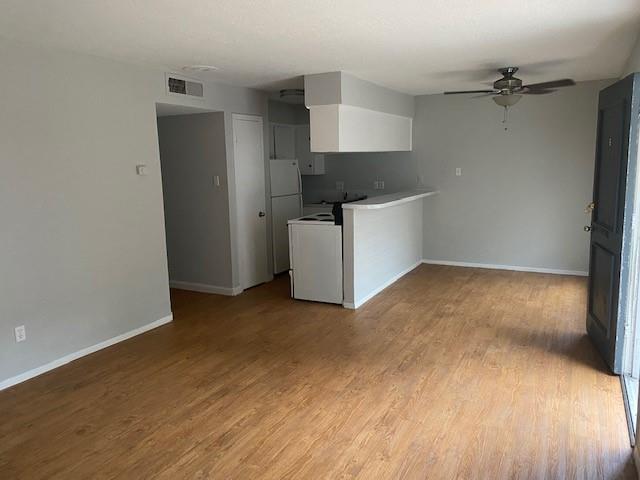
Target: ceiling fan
<point x="508" y="90"/>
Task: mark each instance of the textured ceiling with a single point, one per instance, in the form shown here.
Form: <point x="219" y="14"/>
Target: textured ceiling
<point x="415" y="46"/>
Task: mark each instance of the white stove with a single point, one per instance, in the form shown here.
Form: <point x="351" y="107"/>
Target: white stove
<point x="315" y="258"/>
<point x="314" y="219"/>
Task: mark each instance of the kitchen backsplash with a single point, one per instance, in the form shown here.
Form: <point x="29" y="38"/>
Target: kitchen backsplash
<point x="358" y="174"/>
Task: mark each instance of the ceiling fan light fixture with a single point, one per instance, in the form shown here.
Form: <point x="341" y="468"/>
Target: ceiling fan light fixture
<point x="292" y="92"/>
<point x="507" y="100"/>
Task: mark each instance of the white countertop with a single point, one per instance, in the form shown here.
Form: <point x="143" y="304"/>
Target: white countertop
<point x="390" y="200"/>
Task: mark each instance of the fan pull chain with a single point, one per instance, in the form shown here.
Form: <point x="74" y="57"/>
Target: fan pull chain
<point x="505" y="117"/>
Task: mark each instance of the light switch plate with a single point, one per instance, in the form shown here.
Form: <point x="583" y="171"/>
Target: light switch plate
<point x="340" y="186"/>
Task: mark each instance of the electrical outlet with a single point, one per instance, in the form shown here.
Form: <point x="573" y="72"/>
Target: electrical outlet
<point x="458" y="172"/>
<point x="340" y="186"/>
<point x="20" y="333"/>
<point x="381" y="184"/>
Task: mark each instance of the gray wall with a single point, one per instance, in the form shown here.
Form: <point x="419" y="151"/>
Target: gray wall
<point x="282" y="112"/>
<point x="192" y="151"/>
<point x="521" y="197"/>
<point x="82" y="251"/>
<point x="520" y="200"/>
<point x="358" y="171"/>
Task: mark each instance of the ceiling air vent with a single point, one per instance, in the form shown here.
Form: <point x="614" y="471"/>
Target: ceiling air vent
<point x="182" y="86"/>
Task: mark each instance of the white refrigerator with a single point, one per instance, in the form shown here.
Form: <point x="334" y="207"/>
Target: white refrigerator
<point x="286" y="204"/>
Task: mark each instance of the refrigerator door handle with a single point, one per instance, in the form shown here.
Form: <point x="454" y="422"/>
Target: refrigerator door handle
<point x="300" y="190"/>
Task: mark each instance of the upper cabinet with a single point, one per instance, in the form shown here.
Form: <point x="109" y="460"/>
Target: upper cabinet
<point x="284" y="141"/>
<point x="348" y="114"/>
<point x="310" y="163"/>
<point x="293" y="141"/>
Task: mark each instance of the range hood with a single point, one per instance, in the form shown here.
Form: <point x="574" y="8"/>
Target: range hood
<point x="348" y="114"/>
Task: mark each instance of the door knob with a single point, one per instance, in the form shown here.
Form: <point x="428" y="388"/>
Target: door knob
<point x="590" y="207"/>
<point x="261" y="214"/>
<point x="587" y="228"/>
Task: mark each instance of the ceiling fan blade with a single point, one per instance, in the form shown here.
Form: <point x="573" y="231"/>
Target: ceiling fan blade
<point x="565" y="82"/>
<point x="469" y="91"/>
<point x="535" y="91"/>
<point x="526" y="91"/>
<point x="487" y="94"/>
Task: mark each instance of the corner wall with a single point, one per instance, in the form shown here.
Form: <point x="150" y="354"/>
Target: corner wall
<point x="520" y="200"/>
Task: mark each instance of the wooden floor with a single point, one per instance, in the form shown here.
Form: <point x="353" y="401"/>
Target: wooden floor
<point x="449" y="373"/>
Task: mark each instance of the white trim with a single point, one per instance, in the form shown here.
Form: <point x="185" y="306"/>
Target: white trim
<point x="554" y="271"/>
<point x="636" y="459"/>
<point x="369" y="296"/>
<point x="204" y="288"/>
<point x="9" y="382"/>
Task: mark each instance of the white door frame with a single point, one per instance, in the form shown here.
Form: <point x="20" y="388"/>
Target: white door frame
<point x="630" y="301"/>
<point x="238" y="186"/>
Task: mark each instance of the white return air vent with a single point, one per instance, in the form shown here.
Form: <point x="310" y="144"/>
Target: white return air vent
<point x="184" y="87"/>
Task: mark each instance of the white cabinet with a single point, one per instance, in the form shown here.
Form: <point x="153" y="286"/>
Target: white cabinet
<point x="284" y="141"/>
<point x="348" y="114"/>
<point x="310" y="163"/>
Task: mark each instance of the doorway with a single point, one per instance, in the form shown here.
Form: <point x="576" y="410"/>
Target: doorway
<point x="193" y="163"/>
<point x="249" y="165"/>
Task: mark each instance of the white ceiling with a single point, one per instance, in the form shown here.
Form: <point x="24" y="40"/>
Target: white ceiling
<point x="415" y="46"/>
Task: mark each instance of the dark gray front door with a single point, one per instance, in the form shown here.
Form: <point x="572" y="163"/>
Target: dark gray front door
<point x="617" y="129"/>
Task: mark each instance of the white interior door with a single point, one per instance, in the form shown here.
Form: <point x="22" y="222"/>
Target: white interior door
<point x="251" y="199"/>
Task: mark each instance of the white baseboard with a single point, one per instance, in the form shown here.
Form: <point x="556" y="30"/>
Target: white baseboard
<point x="9" y="382"/>
<point x="204" y="288"/>
<point x="553" y="271"/>
<point x="372" y="294"/>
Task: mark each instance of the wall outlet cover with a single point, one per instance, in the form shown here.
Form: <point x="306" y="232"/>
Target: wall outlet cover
<point x="340" y="186"/>
<point x="20" y="333"/>
<point x="458" y="172"/>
